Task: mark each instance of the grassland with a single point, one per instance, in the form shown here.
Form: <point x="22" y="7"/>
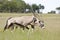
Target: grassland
<point x="51" y="31"/>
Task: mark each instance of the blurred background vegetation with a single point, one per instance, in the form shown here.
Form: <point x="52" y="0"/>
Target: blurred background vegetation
<point x="20" y="6"/>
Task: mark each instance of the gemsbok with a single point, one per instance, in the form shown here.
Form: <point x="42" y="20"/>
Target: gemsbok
<point x="23" y="22"/>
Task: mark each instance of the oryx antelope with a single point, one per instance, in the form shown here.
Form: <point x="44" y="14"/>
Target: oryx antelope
<point x="23" y="22"/>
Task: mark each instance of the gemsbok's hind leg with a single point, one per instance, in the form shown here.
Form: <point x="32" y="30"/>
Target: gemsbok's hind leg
<point x="7" y="26"/>
<point x="11" y="26"/>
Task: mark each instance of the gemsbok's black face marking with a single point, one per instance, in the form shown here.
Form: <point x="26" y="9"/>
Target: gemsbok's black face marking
<point x="41" y="24"/>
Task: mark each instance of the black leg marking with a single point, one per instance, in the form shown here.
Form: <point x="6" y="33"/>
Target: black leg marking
<point x="32" y="26"/>
<point x="10" y="25"/>
<point x="27" y="28"/>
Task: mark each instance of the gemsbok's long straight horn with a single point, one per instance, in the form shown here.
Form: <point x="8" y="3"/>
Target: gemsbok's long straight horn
<point x="35" y="14"/>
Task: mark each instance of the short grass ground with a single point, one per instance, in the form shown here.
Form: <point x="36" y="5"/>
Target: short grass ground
<point x="51" y="31"/>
